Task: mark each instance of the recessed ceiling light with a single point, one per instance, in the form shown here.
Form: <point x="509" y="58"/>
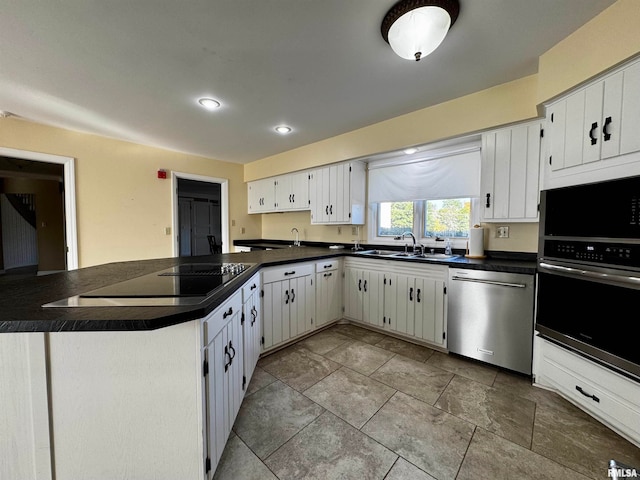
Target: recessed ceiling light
<point x="209" y="103"/>
<point x="283" y="129"/>
<point x="411" y="150"/>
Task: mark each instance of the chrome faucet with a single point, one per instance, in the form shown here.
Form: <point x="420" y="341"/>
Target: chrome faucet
<point x="406" y="234"/>
<point x="296" y="242"/>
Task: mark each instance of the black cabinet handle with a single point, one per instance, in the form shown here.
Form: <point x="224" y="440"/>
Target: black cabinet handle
<point x="292" y="272"/>
<point x="253" y="287"/>
<point x="293" y="198"/>
<point x="330" y="209"/>
<point x="411" y="294"/>
<point x="365" y="285"/>
<point x="605" y="129"/>
<point x="360" y="284"/>
<point x="328" y="274"/>
<point x="234" y="351"/>
<point x="326" y="209"/>
<point x="418" y="296"/>
<point x="254" y="315"/>
<point x="488" y="204"/>
<point x="226" y="354"/>
<point x="328" y="266"/>
<point x="227" y="313"/>
<point x="290" y="200"/>
<point x="592" y="397"/>
<point x="287" y="294"/>
<point x="293" y="295"/>
<point x="593" y="138"/>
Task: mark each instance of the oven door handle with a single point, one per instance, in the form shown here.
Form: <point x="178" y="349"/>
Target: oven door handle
<point x="578" y="272"/>
<point x="489" y="282"/>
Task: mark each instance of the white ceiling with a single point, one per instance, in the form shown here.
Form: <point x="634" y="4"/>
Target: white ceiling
<point x="134" y="69"/>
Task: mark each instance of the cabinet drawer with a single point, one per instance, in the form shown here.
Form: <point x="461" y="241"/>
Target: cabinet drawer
<point x="611" y="398"/>
<point x="328" y="265"/>
<point x="250" y="287"/>
<point x="216" y="320"/>
<point x="286" y="272"/>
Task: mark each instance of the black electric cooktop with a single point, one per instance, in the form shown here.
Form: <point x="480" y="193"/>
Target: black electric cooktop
<point x="187" y="284"/>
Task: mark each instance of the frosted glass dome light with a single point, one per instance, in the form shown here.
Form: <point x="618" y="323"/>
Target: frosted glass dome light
<point x="415" y="28"/>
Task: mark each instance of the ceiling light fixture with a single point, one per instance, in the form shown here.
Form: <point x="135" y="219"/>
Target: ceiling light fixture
<point x="410" y="151"/>
<point x="283" y="129"/>
<point x="415" y="28"/>
<point x="209" y="103"/>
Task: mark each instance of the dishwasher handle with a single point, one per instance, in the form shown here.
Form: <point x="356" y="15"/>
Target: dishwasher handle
<point x="489" y="282"/>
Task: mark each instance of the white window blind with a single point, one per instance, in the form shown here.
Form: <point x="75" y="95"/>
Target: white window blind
<point x="454" y="175"/>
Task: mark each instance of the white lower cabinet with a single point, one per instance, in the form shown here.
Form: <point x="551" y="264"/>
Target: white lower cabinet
<point x="288" y="302"/>
<point x="402" y="298"/>
<point x="611" y="398"/>
<point x="251" y="327"/>
<point x="223" y="355"/>
<point x="328" y="291"/>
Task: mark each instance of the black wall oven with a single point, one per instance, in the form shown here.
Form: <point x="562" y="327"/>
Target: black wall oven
<point x="589" y="271"/>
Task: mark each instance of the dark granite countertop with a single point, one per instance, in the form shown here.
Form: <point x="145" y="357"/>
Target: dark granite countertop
<point x="21" y="300"/>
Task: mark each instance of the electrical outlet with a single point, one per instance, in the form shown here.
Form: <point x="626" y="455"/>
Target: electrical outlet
<point x="167" y="231"/>
<point x="502" y="232"/>
<point x="242" y="231"/>
<point x="354" y="230"/>
<point x="339" y="230"/>
<point x="233" y="223"/>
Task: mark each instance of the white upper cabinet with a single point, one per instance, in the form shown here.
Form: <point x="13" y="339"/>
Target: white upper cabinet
<point x="337" y="194"/>
<point x="510" y="173"/>
<point x="292" y="192"/>
<point x="261" y="196"/>
<point x="594" y="129"/>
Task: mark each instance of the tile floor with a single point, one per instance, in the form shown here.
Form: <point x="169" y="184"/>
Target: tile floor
<point x="349" y="403"/>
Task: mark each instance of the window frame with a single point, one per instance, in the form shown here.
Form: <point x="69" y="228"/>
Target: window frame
<point x="419" y="227"/>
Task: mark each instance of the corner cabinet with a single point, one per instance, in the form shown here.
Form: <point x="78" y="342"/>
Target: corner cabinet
<point x="337" y="194"/>
<point x="288" y="303"/>
<point x="409" y="302"/>
<point x="510" y="173"/>
<point x="591" y="133"/>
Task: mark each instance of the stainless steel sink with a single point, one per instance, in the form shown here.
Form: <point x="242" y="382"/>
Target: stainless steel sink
<point x="396" y="254"/>
<point x="380" y="253"/>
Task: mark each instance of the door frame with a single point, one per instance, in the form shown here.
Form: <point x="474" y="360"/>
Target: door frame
<point x="68" y="163"/>
<point x="224" y="206"/>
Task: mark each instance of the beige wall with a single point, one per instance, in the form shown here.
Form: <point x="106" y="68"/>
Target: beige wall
<point x="122" y="207"/>
<point x="605" y="41"/>
<point x="608" y="39"/>
<point x="510" y="102"/>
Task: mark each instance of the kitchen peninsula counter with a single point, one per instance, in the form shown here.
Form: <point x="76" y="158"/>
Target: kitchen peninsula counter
<point x="21" y="300"/>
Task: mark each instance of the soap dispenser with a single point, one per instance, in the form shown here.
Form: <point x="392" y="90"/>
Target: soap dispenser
<point x="447" y="247"/>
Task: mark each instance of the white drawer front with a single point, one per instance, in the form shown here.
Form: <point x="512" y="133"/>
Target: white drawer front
<point x="250" y="287"/>
<point x="610" y="397"/>
<point x="216" y="320"/>
<point x="327" y="265"/>
<point x="286" y="272"/>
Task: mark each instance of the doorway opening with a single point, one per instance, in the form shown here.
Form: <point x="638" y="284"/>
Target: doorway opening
<point x="37" y="213"/>
<point x="200" y="215"/>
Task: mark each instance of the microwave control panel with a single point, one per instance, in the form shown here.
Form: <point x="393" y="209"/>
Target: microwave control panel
<point x="627" y="255"/>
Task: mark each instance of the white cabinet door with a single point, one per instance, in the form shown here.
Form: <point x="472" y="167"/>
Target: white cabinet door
<point x="404" y="317"/>
<point x="574" y="130"/>
<point x="261" y="195"/>
<point x="251" y="327"/>
<point x="353" y="293"/>
<point x="301" y="305"/>
<point x="390" y="300"/>
<point x="329" y="298"/>
<point x="292" y="192"/>
<point x="372" y="297"/>
<point x="555" y="130"/>
<point x="337" y="194"/>
<point x="510" y="173"/>
<point x="429" y="313"/>
<point x="629" y="138"/>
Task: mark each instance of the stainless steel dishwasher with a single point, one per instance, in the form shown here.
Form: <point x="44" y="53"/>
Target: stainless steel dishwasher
<point x="490" y="317"/>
